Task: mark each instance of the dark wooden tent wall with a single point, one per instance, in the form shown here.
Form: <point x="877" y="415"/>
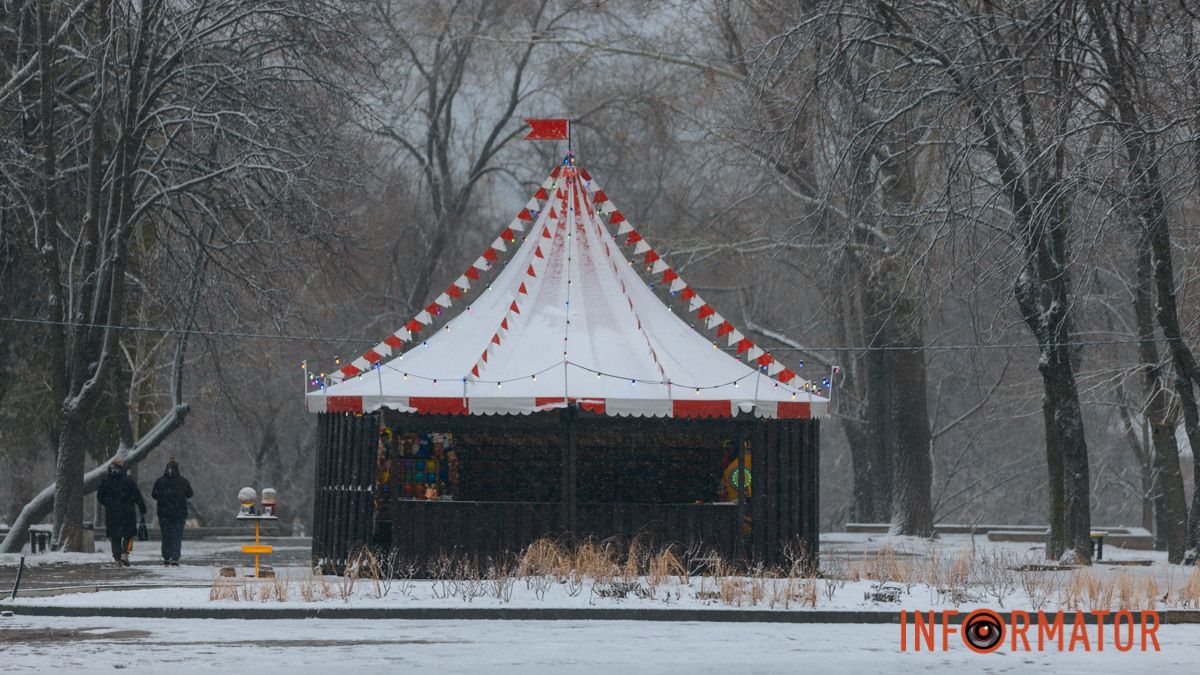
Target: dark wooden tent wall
<point x="783" y="506"/>
<point x="343" y="511"/>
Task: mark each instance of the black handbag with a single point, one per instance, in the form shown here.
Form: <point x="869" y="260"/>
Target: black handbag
<point x="143" y="534"/>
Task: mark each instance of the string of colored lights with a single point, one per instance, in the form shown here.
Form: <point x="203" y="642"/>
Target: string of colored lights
<point x="318" y="380"/>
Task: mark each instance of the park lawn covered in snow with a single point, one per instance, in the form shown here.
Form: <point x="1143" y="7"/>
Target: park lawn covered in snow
<point x="40" y="644"/>
<point x="859" y="572"/>
<point x="102" y="643"/>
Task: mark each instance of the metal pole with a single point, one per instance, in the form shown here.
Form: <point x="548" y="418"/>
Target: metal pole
<point x="572" y="451"/>
<point x="741" y="486"/>
<point x="17" y="584"/>
<point x="564" y="507"/>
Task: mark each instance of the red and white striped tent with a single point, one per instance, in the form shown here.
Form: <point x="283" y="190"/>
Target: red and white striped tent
<point x="560" y="307"/>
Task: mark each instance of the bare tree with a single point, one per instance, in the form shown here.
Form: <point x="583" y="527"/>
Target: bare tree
<point x="969" y="55"/>
<point x="810" y="116"/>
<point x="1120" y="35"/>
<point x="448" y="94"/>
<point x="162" y="129"/>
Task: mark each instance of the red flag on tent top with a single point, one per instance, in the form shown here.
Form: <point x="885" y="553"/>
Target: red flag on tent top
<point x="546" y="129"/>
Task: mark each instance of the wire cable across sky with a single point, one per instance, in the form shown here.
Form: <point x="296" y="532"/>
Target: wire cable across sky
<point x="239" y="335"/>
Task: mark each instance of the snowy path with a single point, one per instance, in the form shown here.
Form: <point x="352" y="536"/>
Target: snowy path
<point x="36" y="644"/>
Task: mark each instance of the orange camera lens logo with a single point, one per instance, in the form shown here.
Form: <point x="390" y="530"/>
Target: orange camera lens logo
<point x="983" y="631"/>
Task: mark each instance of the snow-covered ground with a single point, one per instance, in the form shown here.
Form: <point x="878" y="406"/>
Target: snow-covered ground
<point x="953" y="572"/>
<point x="225" y="549"/>
<point x="44" y="644"/>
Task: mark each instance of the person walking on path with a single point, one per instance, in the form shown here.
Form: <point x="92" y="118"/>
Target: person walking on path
<point x="171" y="492"/>
<point x="119" y="495"/>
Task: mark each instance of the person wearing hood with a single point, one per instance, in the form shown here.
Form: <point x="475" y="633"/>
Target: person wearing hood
<point x="172" y="492"/>
<point x="119" y="495"/>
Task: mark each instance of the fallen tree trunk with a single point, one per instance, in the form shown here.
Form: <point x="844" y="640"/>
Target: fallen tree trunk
<point x="40" y="506"/>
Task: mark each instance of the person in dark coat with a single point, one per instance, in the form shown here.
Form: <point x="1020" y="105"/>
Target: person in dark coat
<point x="119" y="495"/>
<point x="172" y="492"/>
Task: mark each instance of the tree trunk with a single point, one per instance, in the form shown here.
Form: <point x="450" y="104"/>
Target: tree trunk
<point x="877" y="453"/>
<point x="1044" y="296"/>
<point x="1168" y="487"/>
<point x="1066" y="458"/>
<point x="864" y="432"/>
<point x="1043" y="292"/>
<point x="68" y="486"/>
<point x="897" y="407"/>
<point x="1154" y="219"/>
<point x="1056" y="538"/>
<point x="912" y="502"/>
<point x="859" y="438"/>
<point x="1160" y="517"/>
<point x="899" y="310"/>
<point x="1152" y="506"/>
<point x="890" y="451"/>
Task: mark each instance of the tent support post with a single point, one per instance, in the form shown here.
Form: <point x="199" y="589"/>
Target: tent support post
<point x="394" y="471"/>
<point x="739" y="538"/>
<point x="573" y="464"/>
<point x="568" y="511"/>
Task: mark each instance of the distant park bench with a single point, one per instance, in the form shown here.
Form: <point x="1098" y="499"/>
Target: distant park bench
<point x="39" y="539"/>
<point x="1134" y="538"/>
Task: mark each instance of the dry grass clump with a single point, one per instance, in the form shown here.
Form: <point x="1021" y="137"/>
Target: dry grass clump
<point x="1089" y="589"/>
<point x="543" y="557"/>
<point x="1037" y="585"/>
<point x="883" y="565"/>
<point x="664" y="565"/>
<point x="635" y="568"/>
<point x="1188" y="596"/>
<point x="225" y="588"/>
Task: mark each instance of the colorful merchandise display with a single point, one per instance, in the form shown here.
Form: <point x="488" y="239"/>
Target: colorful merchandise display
<point x="426" y="466"/>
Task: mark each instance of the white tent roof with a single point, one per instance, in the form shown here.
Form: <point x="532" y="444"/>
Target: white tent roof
<point x="568" y="317"/>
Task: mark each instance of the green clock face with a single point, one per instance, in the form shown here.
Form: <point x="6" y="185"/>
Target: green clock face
<point x="735" y="477"/>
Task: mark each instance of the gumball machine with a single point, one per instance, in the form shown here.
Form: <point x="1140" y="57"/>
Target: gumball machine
<point x="268" y="501"/>
<point x="246" y="497"/>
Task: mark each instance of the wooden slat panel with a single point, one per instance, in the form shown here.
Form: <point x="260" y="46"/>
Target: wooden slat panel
<point x="474" y="538"/>
<point x="813" y="451"/>
<point x="353" y="495"/>
<point x="336" y="466"/>
<point x="353" y="521"/>
<point x="338" y="496"/>
<point x="354" y="532"/>
<point x="772" y="485"/>
<point x="373" y="515"/>
<point x="800" y="488"/>
<point x="786" y="484"/>
<point x="471" y="536"/>
<point x="758" y="493"/>
<point x="318" y="487"/>
<point x="795" y="487"/>
<point x="327" y="482"/>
